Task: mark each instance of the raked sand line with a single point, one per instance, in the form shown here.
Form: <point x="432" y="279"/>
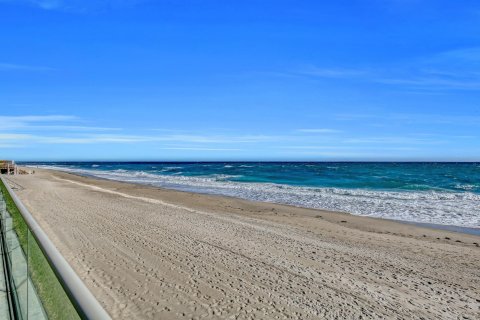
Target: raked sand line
<point x="150" y="200"/>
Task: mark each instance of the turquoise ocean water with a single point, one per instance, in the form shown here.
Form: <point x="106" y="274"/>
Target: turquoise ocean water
<point x="440" y="193"/>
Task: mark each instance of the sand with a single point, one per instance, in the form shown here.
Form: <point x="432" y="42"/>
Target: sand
<point x="149" y="253"/>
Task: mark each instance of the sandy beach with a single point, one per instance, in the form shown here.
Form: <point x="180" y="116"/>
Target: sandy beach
<point x="150" y="253"/>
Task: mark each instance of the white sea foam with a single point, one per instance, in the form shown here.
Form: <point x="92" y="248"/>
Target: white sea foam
<point x="440" y="207"/>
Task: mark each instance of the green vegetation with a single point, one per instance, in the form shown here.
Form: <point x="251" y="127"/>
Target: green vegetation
<point x="54" y="299"/>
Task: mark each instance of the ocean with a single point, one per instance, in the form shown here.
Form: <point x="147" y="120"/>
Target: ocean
<point x="438" y="193"/>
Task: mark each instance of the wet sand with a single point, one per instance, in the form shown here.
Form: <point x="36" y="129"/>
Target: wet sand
<point x="149" y="253"/>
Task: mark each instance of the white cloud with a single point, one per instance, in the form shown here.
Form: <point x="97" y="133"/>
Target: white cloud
<point x="393" y="140"/>
<point x="75" y="5"/>
<point x="70" y="128"/>
<point x="121" y="138"/>
<point x="25" y="122"/>
<point x="49" y="4"/>
<point x="331" y="72"/>
<point x="319" y="130"/>
<point x="432" y="82"/>
<point x="36" y="118"/>
<point x="409" y="118"/>
<point x="200" y="149"/>
<point x="448" y="70"/>
<point x="5" y="145"/>
<point x="14" y="136"/>
<point x="344" y="147"/>
<point x="216" y="138"/>
<point x="471" y="54"/>
<point x="20" y="67"/>
<point x="47" y="123"/>
<point x="31" y="131"/>
<point x="62" y="129"/>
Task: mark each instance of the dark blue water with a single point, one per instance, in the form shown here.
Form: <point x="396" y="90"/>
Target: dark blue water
<point x="447" y="193"/>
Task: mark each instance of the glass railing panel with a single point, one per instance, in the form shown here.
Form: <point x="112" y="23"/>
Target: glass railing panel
<point x="4" y="308"/>
<point x="19" y="270"/>
<point x="51" y="293"/>
<point x="36" y="291"/>
<point x="16" y="244"/>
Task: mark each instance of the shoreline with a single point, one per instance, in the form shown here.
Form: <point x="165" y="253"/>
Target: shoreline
<point x="435" y="226"/>
<point x="447" y="227"/>
<point x="150" y="253"/>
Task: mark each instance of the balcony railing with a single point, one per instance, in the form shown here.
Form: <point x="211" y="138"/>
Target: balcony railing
<point x="38" y="282"/>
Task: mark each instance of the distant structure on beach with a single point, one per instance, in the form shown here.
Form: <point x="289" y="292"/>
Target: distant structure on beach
<point x="8" y="167"/>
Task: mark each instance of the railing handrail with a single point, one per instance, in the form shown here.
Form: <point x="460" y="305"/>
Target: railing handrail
<point x="82" y="299"/>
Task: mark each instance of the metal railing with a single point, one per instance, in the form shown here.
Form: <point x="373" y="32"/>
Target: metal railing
<point x="62" y="293"/>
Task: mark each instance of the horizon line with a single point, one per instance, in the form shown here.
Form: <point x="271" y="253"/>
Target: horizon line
<point x="252" y="161"/>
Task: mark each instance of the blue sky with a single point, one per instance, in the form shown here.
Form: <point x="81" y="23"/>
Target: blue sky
<point x="240" y="80"/>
